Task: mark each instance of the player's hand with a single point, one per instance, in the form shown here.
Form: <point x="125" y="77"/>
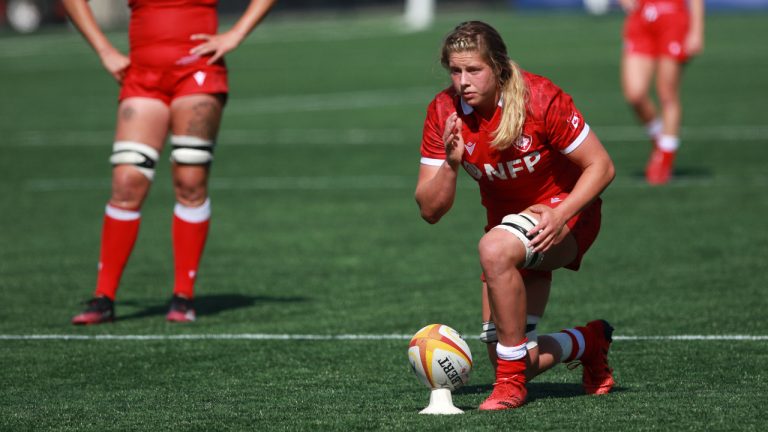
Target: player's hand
<point x="453" y="141"/>
<point x="214" y="45"/>
<point x="115" y="63"/>
<point x="628" y="5"/>
<point x="694" y="43"/>
<point x="550" y="227"/>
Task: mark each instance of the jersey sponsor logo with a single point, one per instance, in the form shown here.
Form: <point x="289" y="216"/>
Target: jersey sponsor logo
<point x="555" y="200"/>
<point x="523" y="143"/>
<point x="470" y="147"/>
<point x="574" y="120"/>
<point x="504" y="170"/>
<point x="199" y="77"/>
<point x="472" y="170"/>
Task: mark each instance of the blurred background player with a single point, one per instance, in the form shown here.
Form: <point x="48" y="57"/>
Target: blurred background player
<point x="659" y="37"/>
<point x="174" y="82"/>
<point x="540" y="170"/>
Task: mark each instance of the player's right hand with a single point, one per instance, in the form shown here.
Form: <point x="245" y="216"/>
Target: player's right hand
<point x="115" y="63"/>
<point x="453" y="141"/>
<point x="628" y="5"/>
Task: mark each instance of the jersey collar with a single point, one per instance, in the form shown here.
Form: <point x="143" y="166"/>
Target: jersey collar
<point x="468" y="109"/>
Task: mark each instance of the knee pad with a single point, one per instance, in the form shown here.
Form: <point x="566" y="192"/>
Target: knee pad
<point x="190" y="150"/>
<point x="488" y="335"/>
<point x="530" y="331"/>
<point x="140" y="155"/>
<point x="519" y="225"/>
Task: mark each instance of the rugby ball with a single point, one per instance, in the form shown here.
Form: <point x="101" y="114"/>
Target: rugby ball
<point x="439" y="357"/>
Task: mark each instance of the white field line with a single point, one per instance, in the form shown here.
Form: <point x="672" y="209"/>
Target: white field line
<point x="321" y="337"/>
<point x="372" y="182"/>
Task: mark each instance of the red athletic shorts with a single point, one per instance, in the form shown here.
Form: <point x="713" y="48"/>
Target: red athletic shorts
<point x="584" y="227"/>
<point x="168" y="83"/>
<point x="658" y="29"/>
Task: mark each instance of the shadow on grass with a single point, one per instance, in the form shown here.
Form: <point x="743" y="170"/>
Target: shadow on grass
<point x="536" y="390"/>
<point x="205" y="305"/>
<point x="681" y="174"/>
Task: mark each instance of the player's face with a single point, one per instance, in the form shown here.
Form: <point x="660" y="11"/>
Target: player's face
<point x="474" y="80"/>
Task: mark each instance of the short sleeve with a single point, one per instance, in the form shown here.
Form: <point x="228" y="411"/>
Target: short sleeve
<point x="566" y="128"/>
<point x="432" y="148"/>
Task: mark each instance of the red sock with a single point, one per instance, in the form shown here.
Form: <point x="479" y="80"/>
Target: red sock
<point x="190" y="230"/>
<point x="510" y="368"/>
<point x="118" y="235"/>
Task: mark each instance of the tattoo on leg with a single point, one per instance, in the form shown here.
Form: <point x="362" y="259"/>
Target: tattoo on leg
<point x="205" y="121"/>
<point x="126" y="113"/>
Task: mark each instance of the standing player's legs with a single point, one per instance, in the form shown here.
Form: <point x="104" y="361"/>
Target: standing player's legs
<point x="668" y="71"/>
<point x="636" y="77"/>
<point x="142" y="125"/>
<point x="195" y="125"/>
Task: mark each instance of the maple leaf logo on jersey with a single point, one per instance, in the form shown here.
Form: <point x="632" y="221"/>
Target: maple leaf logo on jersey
<point x="199" y="77"/>
<point x="470" y="146"/>
<point x="524" y="143"/>
<point x="574" y="120"/>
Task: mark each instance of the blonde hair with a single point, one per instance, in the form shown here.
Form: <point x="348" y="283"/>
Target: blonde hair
<point x="481" y="38"/>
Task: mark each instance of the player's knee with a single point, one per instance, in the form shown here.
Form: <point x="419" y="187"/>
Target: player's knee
<point x="497" y="254"/>
<point x="139" y="156"/>
<point x="191" y="150"/>
<point x="191" y="197"/>
<point x="634" y="96"/>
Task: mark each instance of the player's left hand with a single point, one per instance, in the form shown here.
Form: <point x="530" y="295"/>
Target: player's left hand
<point x="694" y="43"/>
<point x="214" y="45"/>
<point x="550" y="227"/>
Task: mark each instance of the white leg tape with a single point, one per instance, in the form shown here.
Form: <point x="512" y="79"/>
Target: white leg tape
<point x="191" y="150"/>
<point x="488" y="335"/>
<point x="140" y="155"/>
<point x="519" y="225"/>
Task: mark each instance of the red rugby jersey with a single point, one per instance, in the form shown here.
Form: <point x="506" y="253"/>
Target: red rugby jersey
<point x="160" y="30"/>
<point x="534" y="168"/>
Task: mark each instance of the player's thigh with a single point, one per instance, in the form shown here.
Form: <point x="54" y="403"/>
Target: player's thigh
<point x="636" y="75"/>
<point x="668" y="73"/>
<point x="143" y="120"/>
<point x="197" y="115"/>
<point x="560" y="254"/>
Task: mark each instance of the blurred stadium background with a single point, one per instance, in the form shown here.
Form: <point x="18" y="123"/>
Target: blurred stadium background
<point x="27" y="16"/>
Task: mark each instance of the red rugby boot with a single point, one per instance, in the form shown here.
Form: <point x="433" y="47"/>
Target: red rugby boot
<point x="98" y="310"/>
<point x="509" y="389"/>
<point x="597" y="376"/>
<point x="659" y="168"/>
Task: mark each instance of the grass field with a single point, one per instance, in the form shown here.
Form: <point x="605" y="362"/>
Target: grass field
<point x="315" y="232"/>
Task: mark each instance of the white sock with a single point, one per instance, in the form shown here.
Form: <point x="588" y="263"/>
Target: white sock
<point x="668" y="143"/>
<point x="565" y="339"/>
<point x="511" y="353"/>
<point x="653" y="128"/>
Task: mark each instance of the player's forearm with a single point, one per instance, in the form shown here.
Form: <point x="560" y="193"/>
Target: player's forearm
<point x="436" y="195"/>
<point x="257" y="10"/>
<point x="696" y="10"/>
<point x="82" y="17"/>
